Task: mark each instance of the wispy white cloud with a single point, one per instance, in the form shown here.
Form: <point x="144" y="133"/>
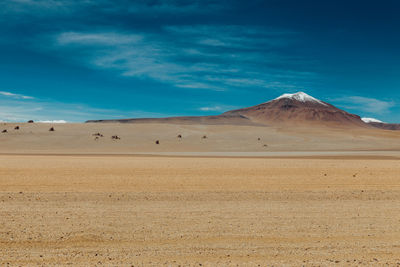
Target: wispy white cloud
<point x="219" y="108"/>
<point x="43" y="8"/>
<point x="175" y="6"/>
<point x="13" y="95"/>
<point x="365" y="104"/>
<point x="213" y="57"/>
<point x="104" y="38"/>
<point x="213" y="108"/>
<point x="195" y="57"/>
<point x="53" y="121"/>
<point x="232" y="36"/>
<point x="38" y="8"/>
<point x="21" y="110"/>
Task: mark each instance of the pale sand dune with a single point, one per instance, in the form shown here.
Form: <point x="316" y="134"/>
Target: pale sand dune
<point x="152" y="211"/>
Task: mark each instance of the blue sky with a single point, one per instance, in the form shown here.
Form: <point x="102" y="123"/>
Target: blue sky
<point x="96" y="59"/>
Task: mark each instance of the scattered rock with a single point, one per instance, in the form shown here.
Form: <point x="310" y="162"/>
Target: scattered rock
<point x="51" y="129"/>
<point x="179" y="136"/>
<point x="97" y="134"/>
<point x="30" y="121"/>
<point x="204" y="136"/>
<point x="157" y="142"/>
<point x="16" y="128"/>
<point x="115" y="137"/>
<point x="4" y="131"/>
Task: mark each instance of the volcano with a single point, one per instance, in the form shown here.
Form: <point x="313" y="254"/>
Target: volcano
<point x="298" y="108"/>
<point x="288" y="109"/>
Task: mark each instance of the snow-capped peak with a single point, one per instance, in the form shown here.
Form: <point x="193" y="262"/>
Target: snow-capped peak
<point x="301" y="96"/>
<point x="369" y="120"/>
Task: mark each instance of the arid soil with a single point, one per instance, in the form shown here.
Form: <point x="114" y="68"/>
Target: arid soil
<point x="151" y="211"/>
<point x="141" y="138"/>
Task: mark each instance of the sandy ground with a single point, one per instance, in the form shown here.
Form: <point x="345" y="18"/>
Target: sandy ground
<point x="198" y="211"/>
<point x="243" y="196"/>
<point x="140" y="138"/>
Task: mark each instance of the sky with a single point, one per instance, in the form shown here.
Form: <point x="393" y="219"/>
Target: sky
<point x="77" y="60"/>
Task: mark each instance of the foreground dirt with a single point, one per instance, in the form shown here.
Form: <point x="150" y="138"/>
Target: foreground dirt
<point x="144" y="211"/>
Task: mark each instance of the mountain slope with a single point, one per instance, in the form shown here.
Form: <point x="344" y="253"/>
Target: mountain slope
<point x="297" y="109"/>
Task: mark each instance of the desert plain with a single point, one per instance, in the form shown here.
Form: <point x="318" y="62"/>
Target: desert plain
<point x="241" y="196"/>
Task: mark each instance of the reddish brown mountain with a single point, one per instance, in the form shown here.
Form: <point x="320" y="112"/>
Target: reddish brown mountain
<point x="298" y="108"/>
<point x="292" y="109"/>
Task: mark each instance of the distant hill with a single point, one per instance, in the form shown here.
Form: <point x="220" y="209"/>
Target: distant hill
<point x="381" y="125"/>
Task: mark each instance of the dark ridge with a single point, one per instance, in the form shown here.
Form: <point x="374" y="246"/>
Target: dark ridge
<point x="385" y="126"/>
<point x="207" y="120"/>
